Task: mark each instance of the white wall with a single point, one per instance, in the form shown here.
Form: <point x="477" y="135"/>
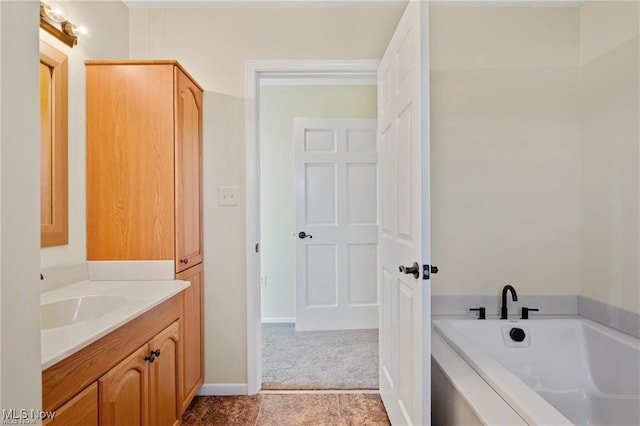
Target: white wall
<point x="224" y="236"/>
<point x="213" y="44"/>
<point x="278" y="106"/>
<point x="108" y="23"/>
<point x="20" y="377"/>
<point x="536" y="132"/>
<point x="505" y="149"/>
<point x="610" y="109"/>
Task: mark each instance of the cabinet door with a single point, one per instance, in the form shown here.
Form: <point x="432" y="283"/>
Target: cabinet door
<point x="192" y="334"/>
<point x="130" y="160"/>
<point x="124" y="392"/>
<point x="81" y="410"/>
<point x="188" y="140"/>
<point x="163" y="381"/>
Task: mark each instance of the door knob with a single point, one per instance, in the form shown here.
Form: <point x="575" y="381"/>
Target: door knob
<point x="302" y="235"/>
<point x="413" y="269"/>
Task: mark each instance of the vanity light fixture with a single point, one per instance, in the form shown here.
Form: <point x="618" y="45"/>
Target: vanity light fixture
<point x="54" y="20"/>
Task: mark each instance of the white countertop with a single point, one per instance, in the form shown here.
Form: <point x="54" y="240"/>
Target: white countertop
<point x="59" y="343"/>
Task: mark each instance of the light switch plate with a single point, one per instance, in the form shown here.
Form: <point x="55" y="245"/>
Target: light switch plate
<point x="228" y="196"/>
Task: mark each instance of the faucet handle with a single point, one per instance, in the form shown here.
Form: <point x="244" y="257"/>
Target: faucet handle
<point x="525" y="312"/>
<point x="482" y="312"/>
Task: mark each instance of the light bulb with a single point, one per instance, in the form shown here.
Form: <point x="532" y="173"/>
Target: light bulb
<point x="80" y="29"/>
<point x="55" y="12"/>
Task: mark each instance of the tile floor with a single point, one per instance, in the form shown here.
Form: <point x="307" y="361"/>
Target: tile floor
<point x="288" y="409"/>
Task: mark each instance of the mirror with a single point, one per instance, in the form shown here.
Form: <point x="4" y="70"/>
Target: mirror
<point x="54" y="220"/>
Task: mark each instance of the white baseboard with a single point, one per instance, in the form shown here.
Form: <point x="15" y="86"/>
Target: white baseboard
<point x="215" y="389"/>
<point x="283" y="320"/>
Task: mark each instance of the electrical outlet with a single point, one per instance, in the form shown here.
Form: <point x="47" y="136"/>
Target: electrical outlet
<point x="228" y="196"/>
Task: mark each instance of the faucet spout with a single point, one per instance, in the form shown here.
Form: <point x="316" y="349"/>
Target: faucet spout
<point x="514" y="297"/>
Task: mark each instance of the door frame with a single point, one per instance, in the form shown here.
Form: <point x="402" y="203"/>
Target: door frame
<point x="254" y="69"/>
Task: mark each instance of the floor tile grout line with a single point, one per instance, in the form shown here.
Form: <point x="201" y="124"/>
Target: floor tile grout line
<point x="339" y="410"/>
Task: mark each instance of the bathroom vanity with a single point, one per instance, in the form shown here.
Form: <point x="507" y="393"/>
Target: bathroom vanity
<point x="132" y="351"/>
<point x="121" y="364"/>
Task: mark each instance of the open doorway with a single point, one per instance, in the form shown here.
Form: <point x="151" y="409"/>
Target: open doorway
<point x="318" y="231"/>
<point x="403" y="120"/>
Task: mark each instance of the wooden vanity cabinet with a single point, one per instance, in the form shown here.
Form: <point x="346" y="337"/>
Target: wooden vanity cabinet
<point x="142" y="389"/>
<point x="144" y="180"/>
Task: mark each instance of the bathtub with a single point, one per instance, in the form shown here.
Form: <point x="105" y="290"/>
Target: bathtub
<point x="562" y="372"/>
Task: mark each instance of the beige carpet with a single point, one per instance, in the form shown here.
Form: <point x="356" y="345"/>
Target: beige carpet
<point x="343" y="359"/>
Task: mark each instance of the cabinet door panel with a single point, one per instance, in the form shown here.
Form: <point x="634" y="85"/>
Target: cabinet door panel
<point x="188" y="187"/>
<point x="163" y="383"/>
<point x="192" y="334"/>
<point x="82" y="410"/>
<point x="130" y="159"/>
<point x="124" y="397"/>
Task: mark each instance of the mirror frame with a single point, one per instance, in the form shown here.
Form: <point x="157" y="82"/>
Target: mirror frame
<point x="56" y="233"/>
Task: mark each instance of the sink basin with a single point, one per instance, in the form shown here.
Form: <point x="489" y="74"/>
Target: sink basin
<point x="70" y="311"/>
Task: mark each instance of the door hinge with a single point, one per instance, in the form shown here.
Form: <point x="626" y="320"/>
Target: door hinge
<point x="427" y="270"/>
<point x="257" y="247"/>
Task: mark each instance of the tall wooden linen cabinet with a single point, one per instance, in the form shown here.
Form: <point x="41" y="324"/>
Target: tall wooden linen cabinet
<point x="144" y="183"/>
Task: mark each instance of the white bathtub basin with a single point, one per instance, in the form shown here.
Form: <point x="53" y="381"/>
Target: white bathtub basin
<point x="585" y="373"/>
<point x="69" y="311"/>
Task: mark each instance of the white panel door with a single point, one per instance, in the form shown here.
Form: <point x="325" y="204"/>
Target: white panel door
<point x="403" y="129"/>
<point x="336" y="209"/>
